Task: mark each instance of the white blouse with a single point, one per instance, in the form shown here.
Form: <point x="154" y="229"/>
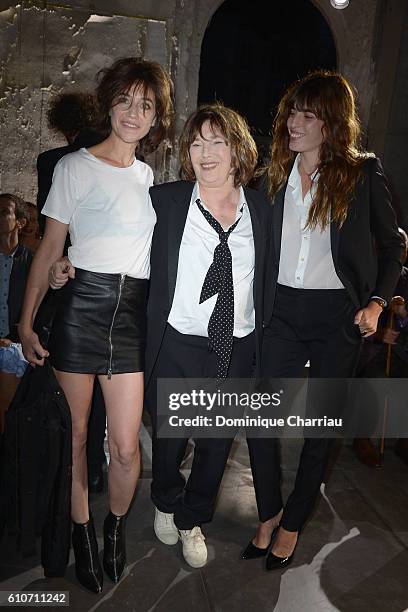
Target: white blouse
<point x="306" y="260"/>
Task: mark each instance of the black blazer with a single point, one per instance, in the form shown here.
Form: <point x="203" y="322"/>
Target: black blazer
<point x="366" y="249"/>
<point x="171" y="202"/>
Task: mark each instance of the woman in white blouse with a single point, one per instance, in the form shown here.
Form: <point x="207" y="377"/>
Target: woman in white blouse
<point x="100" y="195"/>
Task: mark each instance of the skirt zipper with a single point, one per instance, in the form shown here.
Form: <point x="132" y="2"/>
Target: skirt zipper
<point x="122" y="280"/>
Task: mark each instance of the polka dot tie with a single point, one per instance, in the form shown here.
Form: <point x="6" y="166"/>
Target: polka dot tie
<point x="218" y="280"/>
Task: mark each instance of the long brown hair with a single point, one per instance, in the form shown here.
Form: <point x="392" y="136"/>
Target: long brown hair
<point x="330" y="97"/>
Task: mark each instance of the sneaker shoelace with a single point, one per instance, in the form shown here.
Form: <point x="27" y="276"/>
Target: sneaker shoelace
<point x="195" y="534"/>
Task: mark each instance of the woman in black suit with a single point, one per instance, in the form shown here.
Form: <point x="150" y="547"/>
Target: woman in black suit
<point x="327" y="284"/>
<point x="196" y="218"/>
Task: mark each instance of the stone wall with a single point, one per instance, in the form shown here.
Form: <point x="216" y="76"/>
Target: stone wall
<point x="45" y="51"/>
<point x="47" y="47"/>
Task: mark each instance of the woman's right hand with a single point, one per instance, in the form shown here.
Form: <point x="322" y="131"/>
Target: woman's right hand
<point x="60" y="271"/>
<point x="32" y="349"/>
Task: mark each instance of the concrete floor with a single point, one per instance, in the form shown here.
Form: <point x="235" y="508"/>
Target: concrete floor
<point x="352" y="554"/>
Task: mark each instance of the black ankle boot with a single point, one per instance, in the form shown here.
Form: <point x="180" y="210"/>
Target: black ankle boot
<point x="87" y="567"/>
<point x="114" y="554"/>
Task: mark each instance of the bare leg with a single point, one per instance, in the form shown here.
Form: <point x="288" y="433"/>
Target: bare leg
<point x="285" y="542"/>
<point x="264" y="531"/>
<point x="123" y="395"/>
<point x="78" y="391"/>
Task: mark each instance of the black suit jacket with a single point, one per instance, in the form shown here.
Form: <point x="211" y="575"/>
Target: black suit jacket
<point x="366" y="249"/>
<point x="171" y="202"/>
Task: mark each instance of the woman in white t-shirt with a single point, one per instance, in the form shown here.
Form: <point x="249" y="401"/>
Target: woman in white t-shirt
<point x="100" y="195"/>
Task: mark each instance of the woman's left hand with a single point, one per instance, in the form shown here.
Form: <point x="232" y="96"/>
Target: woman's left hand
<point x="367" y="319"/>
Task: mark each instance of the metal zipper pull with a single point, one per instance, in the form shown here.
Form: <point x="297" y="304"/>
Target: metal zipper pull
<point x="121" y="282"/>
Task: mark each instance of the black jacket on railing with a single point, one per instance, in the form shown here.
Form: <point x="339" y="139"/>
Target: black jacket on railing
<point x="35" y="469"/>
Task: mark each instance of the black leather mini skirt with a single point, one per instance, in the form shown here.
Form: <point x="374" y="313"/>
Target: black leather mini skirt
<point x="100" y="324"/>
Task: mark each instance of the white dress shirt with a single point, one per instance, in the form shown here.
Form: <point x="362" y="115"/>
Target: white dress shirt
<point x="306" y="260"/>
<point x="196" y="254"/>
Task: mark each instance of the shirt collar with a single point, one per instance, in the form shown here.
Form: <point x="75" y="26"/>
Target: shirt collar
<point x="242" y="205"/>
<point x="295" y="182"/>
<point x="294" y="177"/>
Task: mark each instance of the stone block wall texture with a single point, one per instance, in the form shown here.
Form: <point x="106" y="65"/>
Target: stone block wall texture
<point x="43" y="52"/>
<point x="48" y="47"/>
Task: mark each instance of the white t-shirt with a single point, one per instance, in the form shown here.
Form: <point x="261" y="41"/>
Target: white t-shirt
<point x="108" y="210"/>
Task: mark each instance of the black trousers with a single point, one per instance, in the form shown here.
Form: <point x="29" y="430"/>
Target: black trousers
<point x="191" y="502"/>
<point x="307" y="324"/>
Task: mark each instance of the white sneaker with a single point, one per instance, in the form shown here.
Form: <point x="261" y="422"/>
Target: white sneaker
<point x="164" y="527"/>
<point x="194" y="548"/>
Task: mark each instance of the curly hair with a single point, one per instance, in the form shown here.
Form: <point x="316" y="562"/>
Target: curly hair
<point x="72" y="112"/>
<point x="233" y="128"/>
<point x="120" y="77"/>
<point x="330" y="97"/>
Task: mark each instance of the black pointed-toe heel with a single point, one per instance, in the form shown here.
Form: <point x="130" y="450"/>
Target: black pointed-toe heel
<point x="254" y="552"/>
<point x="274" y="562"/>
<point x="114" y="554"/>
<point x="87" y="567"/>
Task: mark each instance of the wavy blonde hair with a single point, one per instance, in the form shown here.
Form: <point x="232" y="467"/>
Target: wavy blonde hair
<point x="330" y="97"/>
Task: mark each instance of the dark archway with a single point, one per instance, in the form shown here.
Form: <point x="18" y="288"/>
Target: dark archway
<point x="252" y="50"/>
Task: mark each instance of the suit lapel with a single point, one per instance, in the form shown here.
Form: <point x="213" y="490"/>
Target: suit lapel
<point x="256" y="224"/>
<point x="177" y="212"/>
<point x="334" y="240"/>
<point x="278" y="204"/>
<point x="258" y="241"/>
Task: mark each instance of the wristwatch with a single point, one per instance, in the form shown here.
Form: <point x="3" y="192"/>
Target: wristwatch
<point x="380" y="301"/>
